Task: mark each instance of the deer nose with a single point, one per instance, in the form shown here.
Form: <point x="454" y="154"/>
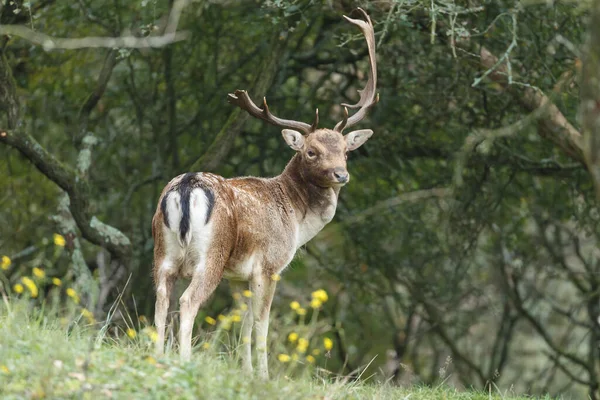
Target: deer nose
<point x="341" y="175"/>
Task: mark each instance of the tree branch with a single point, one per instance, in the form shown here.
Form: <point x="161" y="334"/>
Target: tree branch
<point x="221" y="145"/>
<point x="171" y="106"/>
<point x="8" y="97"/>
<point x="92" y="100"/>
<point x="49" y="43"/>
<point x="554" y="126"/>
<point x="436" y="323"/>
<point x="408" y="197"/>
<point x="590" y="96"/>
<point x="91" y="227"/>
<point x="513" y="292"/>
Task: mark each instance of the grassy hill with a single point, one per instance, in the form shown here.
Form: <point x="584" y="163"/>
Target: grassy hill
<point x="46" y="357"/>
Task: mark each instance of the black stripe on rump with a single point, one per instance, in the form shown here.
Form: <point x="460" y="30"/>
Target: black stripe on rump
<point x="163" y="209"/>
<point x="210" y="196"/>
<point x="186" y="185"/>
<point x="185" y="192"/>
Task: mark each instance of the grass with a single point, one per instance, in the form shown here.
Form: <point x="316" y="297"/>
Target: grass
<point x="44" y="357"/>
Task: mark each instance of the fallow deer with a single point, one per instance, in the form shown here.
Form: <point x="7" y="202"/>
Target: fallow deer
<point x="247" y="229"/>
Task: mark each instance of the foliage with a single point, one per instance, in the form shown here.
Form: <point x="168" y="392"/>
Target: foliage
<point x="469" y="229"/>
<point x="41" y="358"/>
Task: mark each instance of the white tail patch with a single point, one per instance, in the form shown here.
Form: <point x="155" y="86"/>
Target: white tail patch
<point x="195" y="217"/>
<point x="199" y="206"/>
<point x="173" y="211"/>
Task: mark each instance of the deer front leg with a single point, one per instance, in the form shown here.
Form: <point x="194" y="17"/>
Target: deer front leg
<point x="247" y="322"/>
<point x="263" y="289"/>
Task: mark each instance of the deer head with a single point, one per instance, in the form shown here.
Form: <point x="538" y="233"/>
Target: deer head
<point x="323" y="152"/>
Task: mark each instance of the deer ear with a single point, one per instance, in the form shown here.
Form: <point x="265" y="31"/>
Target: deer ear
<point x="293" y="138"/>
<point x="355" y="139"/>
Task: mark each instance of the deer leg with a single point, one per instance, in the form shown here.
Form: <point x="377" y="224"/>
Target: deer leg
<point x="205" y="280"/>
<point x="263" y="289"/>
<point x="164" y="285"/>
<point x="247" y="322"/>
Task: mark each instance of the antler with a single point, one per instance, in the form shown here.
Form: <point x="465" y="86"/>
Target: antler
<point x="241" y="99"/>
<point x="368" y="96"/>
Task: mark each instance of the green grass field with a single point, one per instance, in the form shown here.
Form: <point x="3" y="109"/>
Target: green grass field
<point x="46" y="357"/>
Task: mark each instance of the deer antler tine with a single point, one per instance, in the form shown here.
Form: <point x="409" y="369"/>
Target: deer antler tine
<point x="313" y="127"/>
<point x="342" y="124"/>
<point x="266" y="111"/>
<point x="368" y="95"/>
<point x="364" y="13"/>
<point x="241" y="99"/>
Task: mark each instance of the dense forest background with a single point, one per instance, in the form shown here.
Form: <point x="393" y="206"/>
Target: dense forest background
<point x="464" y="248"/>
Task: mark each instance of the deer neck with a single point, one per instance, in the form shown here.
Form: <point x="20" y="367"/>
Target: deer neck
<point x="314" y="206"/>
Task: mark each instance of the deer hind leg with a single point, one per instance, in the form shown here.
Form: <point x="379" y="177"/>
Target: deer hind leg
<point x="263" y="289"/>
<point x="165" y="278"/>
<point x="205" y="279"/>
<point x="247" y="322"/>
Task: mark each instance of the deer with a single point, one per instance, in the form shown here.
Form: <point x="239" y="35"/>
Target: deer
<point x="247" y="229"/>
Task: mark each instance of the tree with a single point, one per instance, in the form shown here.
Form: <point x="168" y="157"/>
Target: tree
<point x="469" y="228"/>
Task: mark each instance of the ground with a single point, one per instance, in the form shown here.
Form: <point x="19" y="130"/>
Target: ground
<point x="50" y="357"/>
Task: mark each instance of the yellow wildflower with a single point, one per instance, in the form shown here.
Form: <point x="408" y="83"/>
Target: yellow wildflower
<point x="320" y="295"/>
<point x="310" y="359"/>
<point x="243" y="306"/>
<point x="328" y="343"/>
<point x="275" y="277"/>
<point x="18" y="288"/>
<point x="210" y="320"/>
<point x="151" y="360"/>
<point x="292" y="337"/>
<point x="247" y="293"/>
<point x="294" y="305"/>
<point x="131" y="333"/>
<point x="38" y="272"/>
<point x="236" y="318"/>
<point x="5" y="262"/>
<point x="4" y="369"/>
<point x="221" y="317"/>
<point x="206" y="345"/>
<point x="237" y="296"/>
<point x="29" y="284"/>
<point x="316" y="352"/>
<point x="315" y="303"/>
<point x="302" y="345"/>
<point x="88" y="315"/>
<point x="73" y="294"/>
<point x="283" y="358"/>
<point x="59" y="240"/>
<point x="56" y="281"/>
<point x="301" y="311"/>
<point x="152" y="334"/>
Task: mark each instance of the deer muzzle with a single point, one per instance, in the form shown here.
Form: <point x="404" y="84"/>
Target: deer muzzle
<point x="340" y="175"/>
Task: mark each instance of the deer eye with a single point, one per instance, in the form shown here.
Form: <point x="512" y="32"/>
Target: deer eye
<point x="311" y="154"/>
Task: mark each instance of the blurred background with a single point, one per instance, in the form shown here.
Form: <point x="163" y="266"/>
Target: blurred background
<point x="465" y="247"/>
